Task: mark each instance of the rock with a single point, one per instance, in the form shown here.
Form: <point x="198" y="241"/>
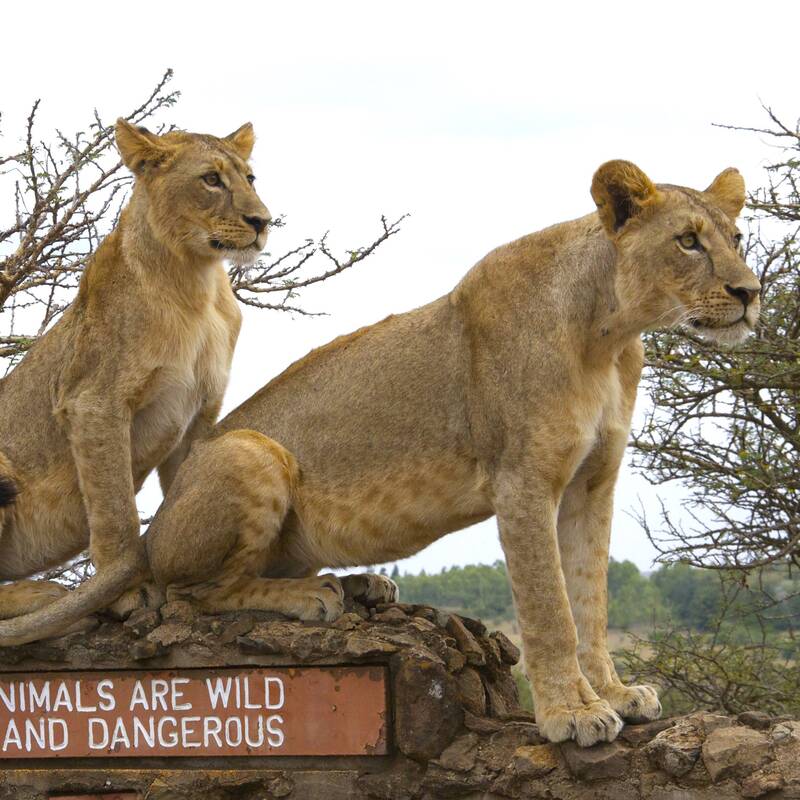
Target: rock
<point x="640" y="734"/>
<point x="509" y="652"/>
<point x="711" y="722"/>
<point x="400" y="782"/>
<point x="179" y="611"/>
<point x="392" y="616"/>
<point x="471" y="691"/>
<point x="784" y="732"/>
<point x="466" y="642"/>
<point x="483" y="725"/>
<point x="535" y="761"/>
<point x="228" y="631"/>
<point x="143" y="649"/>
<point x="474" y="626"/>
<point x="142" y="621"/>
<point x="762" y="782"/>
<point x="454" y="659"/>
<point x="427" y="708"/>
<point x="461" y="754"/>
<point x="759" y="720"/>
<point x="491" y="650"/>
<point x="676" y="749"/>
<point x="498" y="751"/>
<point x="734" y="752"/>
<point x="170" y="633"/>
<point x="358" y="646"/>
<point x="604" y="760"/>
<point x="347" y="622"/>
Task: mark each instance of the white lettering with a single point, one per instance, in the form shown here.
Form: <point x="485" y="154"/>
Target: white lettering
<point x="12" y="736"/>
<point x="274" y="733"/>
<point x="230" y="723"/>
<point x="278" y="703"/>
<point x="208" y="724"/>
<point x="103" y="725"/>
<point x="120" y="736"/>
<point x="51" y="727"/>
<point x="247" y="703"/>
<point x="105" y="690"/>
<point x="148" y="733"/>
<point x="160" y="690"/>
<point x="138" y="697"/>
<point x="172" y="741"/>
<point x="253" y="742"/>
<point x="62" y="698"/>
<point x="78" y="705"/>
<point x="218" y="693"/>
<point x="32" y="733"/>
<point x="177" y="694"/>
<point x="9" y="698"/>
<point x="187" y="731"/>
<point x="40" y="700"/>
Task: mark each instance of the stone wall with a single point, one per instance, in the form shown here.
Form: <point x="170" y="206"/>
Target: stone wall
<point x="456" y="729"/>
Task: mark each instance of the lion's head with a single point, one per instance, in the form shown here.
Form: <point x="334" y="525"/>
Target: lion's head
<point x="679" y="251"/>
<point x="199" y="191"/>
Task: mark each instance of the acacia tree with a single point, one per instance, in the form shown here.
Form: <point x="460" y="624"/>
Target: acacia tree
<point x="726" y="422"/>
<point x="66" y="193"/>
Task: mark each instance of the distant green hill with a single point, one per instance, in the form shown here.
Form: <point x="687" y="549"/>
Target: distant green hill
<point x="676" y="594"/>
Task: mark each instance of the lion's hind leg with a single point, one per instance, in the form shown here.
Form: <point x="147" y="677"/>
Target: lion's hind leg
<point x="22" y="597"/>
<point x="216" y="533"/>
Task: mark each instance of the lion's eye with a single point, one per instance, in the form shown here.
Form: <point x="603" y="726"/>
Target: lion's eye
<point x="689" y="241"/>
<point x="212" y="179"/>
<point x="251" y="179"/>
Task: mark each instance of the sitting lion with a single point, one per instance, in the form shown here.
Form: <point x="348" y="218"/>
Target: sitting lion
<point x="511" y="396"/>
<point x="133" y="372"/>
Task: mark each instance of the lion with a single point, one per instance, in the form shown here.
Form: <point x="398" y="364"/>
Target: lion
<point x="132" y="373"/>
<point x="510" y="396"/>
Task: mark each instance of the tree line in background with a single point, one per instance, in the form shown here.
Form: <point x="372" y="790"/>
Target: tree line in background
<point x="707" y="642"/>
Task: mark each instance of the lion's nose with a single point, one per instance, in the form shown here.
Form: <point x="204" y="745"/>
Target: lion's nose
<point x="259" y="223"/>
<point x="743" y="293"/>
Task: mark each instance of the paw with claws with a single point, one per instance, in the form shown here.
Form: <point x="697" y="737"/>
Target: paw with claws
<point x="370" y="590"/>
<point x="587" y="724"/>
<point x="320" y="600"/>
<point x="632" y="703"/>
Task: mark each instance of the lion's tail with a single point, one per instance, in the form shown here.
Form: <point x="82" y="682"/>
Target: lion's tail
<point x="98" y="592"/>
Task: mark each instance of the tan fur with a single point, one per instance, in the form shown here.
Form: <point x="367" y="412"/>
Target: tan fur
<point x="129" y="376"/>
<point x="510" y="396"/>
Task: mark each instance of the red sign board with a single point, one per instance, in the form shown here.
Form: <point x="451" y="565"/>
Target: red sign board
<point x="249" y="711"/>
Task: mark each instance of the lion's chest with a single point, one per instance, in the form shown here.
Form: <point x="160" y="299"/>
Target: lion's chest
<point x="192" y="371"/>
<point x="600" y="406"/>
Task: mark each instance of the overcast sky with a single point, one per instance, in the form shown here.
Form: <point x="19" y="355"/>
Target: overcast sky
<point x="485" y="121"/>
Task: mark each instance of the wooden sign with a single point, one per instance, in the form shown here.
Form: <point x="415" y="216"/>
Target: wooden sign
<point x="247" y="711"/>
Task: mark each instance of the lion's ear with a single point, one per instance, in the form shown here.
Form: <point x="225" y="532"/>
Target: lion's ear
<point x="727" y="192"/>
<point x="621" y="190"/>
<point x="138" y="146"/>
<point x="242" y="140"/>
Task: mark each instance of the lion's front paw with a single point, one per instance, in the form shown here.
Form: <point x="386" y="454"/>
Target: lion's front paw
<point x="632" y="703"/>
<point x="369" y="589"/>
<point x="587" y="724"/>
<point x="324" y="602"/>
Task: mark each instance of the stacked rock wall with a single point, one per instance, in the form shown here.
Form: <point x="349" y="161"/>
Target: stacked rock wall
<point x="455" y="727"/>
